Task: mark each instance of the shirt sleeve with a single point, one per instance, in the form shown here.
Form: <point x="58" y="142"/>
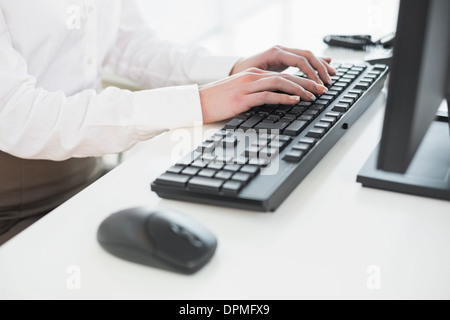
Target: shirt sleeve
<point x="38" y="124"/>
<point x="151" y="62"/>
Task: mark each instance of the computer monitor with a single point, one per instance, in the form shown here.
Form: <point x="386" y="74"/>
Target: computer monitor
<point x="414" y="152"/>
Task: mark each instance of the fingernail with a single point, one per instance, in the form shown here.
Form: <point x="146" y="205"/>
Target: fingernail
<point x="295" y="98"/>
<point x="322" y="89"/>
<point x="329" y="80"/>
<point x="312" y="97"/>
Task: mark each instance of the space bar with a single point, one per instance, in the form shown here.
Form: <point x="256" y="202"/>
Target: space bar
<point x="205" y="184"/>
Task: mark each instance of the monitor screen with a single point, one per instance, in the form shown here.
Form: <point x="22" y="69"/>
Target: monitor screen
<point x="414" y="151"/>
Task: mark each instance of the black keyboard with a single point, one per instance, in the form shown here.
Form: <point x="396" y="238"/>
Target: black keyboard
<point x="258" y="158"/>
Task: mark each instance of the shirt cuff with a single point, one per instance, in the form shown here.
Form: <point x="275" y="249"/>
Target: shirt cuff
<point x="160" y="110"/>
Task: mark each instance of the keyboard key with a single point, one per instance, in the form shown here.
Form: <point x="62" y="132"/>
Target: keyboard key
<point x="350" y="76"/>
<point x="327" y="97"/>
<point x="208" y="158"/>
<point x="294" y="156"/>
<point x="295" y="128"/>
<point x="307" y="118"/>
<point x="230" y="142"/>
<point x="304" y="103"/>
<point x="283" y="109"/>
<point x="224" y="175"/>
<point x="232" y="167"/>
<point x="270" y="127"/>
<point x="243" y="116"/>
<point x="341" y="107"/>
<point x="206" y="147"/>
<point x="176" y="169"/>
<point x="234" y="124"/>
<point x="268" y="152"/>
<point x="208" y="173"/>
<point x="336" y="88"/>
<point x="302" y="147"/>
<point x="206" y="184"/>
<point x="362" y="85"/>
<point x="334" y="114"/>
<point x="351" y="96"/>
<point x="283" y="138"/>
<point x="322" y="102"/>
<point x="190" y="171"/>
<point x="288" y="118"/>
<point x="232" y="187"/>
<point x="379" y="66"/>
<point x="345" y="80"/>
<point x="329" y="120"/>
<point x="316" y="133"/>
<point x="242" y="177"/>
<point x="215" y="166"/>
<point x="172" y="180"/>
<point x="312" y="113"/>
<point x="252" y="121"/>
<point x="252" y="151"/>
<point x="278" y="144"/>
<point x="272" y="119"/>
<point x="317" y="107"/>
<point x="259" y="162"/>
<point x="310" y="141"/>
<point x="199" y="164"/>
<point x="357" y="92"/>
<point x="323" y="125"/>
<point x="346" y="100"/>
<point x="252" y="170"/>
<point x="297" y="111"/>
<point x="267" y="109"/>
<point x="332" y="93"/>
<point x="340" y="84"/>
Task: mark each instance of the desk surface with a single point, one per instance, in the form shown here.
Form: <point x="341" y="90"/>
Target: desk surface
<point x="331" y="239"/>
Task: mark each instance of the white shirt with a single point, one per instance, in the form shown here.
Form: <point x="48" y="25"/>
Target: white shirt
<point x="52" y="104"/>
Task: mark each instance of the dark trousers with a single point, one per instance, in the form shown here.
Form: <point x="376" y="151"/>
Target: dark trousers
<point x="29" y="189"/>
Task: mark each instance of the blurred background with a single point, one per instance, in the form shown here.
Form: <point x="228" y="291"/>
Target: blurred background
<point x="245" y="27"/>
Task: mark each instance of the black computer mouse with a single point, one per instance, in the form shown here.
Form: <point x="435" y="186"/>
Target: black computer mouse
<point x="163" y="239"/>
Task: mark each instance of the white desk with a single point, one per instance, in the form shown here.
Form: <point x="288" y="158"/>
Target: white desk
<point x="331" y="239"/>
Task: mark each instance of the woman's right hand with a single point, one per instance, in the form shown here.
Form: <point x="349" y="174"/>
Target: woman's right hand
<point x="238" y="93"/>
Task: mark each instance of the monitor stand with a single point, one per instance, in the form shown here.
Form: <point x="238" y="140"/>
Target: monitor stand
<point x="428" y="174"/>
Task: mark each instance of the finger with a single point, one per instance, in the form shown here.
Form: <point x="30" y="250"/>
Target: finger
<point x="267" y="97"/>
<point x="332" y="71"/>
<point x="318" y="64"/>
<point x="307" y="84"/>
<point x="313" y="67"/>
<point x="279" y="83"/>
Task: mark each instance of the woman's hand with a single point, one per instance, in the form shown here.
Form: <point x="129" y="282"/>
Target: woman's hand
<point x="257" y="80"/>
<point x="279" y="58"/>
<point x="254" y="87"/>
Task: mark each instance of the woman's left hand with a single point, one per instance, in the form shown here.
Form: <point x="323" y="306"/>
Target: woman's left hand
<point x="279" y="58"/>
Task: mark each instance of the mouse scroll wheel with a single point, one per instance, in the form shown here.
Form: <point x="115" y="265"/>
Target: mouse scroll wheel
<point x="176" y="229"/>
<point x="187" y="235"/>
